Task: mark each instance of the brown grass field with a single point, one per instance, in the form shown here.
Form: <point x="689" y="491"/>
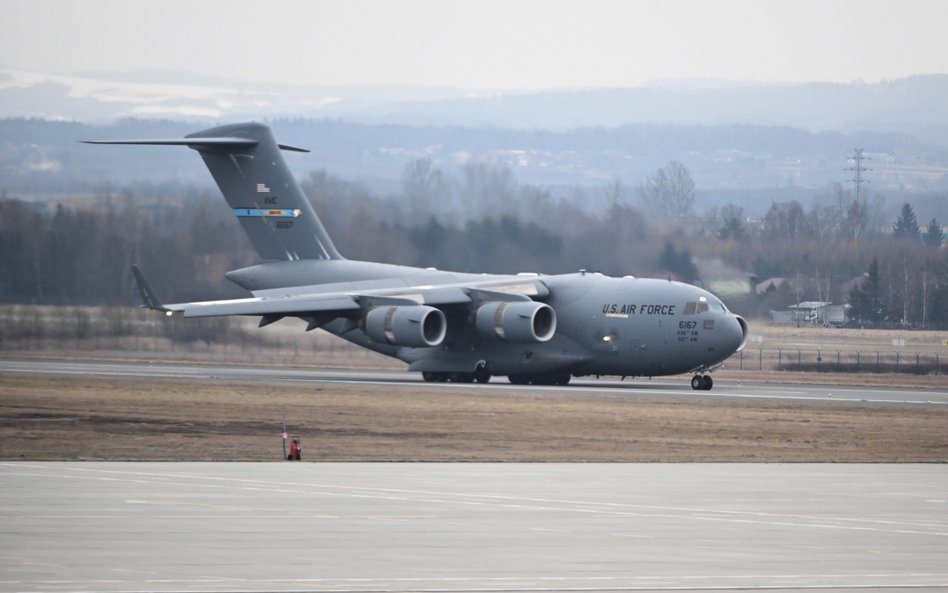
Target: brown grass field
<point x="69" y="418"/>
<point x="57" y="418"/>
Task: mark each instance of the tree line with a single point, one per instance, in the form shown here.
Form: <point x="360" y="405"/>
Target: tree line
<point x="80" y="252"/>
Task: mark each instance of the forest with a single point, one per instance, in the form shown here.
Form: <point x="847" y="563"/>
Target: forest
<point x="894" y="273"/>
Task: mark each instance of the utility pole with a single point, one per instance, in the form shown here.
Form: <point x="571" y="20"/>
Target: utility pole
<point x="858" y="169"/>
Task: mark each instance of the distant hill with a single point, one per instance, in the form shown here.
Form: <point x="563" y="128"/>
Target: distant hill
<point x="740" y="163"/>
<point x="908" y="104"/>
<point x="913" y="105"/>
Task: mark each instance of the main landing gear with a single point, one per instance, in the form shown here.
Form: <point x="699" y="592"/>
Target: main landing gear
<point x="702" y="382"/>
<point x="543" y="379"/>
<point x="481" y="375"/>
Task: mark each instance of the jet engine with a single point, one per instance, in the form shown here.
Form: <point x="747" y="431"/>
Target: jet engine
<point x="520" y="321"/>
<point x="414" y="325"/>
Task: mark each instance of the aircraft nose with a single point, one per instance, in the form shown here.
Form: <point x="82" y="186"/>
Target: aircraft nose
<point x="739" y="329"/>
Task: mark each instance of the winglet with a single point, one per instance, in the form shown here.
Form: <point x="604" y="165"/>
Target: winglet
<point x="150" y="300"/>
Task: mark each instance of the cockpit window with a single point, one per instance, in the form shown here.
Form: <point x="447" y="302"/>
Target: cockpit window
<point x="703" y="306"/>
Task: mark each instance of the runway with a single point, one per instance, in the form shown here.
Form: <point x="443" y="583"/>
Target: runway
<point x="471" y="527"/>
<point x="677" y="387"/>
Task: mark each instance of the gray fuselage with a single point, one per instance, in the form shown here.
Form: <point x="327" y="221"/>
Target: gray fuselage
<point x="605" y="325"/>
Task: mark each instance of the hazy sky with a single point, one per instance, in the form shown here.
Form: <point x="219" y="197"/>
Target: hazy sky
<point x="481" y="44"/>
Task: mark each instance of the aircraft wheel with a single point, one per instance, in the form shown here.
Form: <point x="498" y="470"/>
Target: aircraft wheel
<point x="708" y="382"/>
<point x="542" y="380"/>
<point x="481" y="374"/>
<point x="697" y="382"/>
<point x="428" y="377"/>
<point x="518" y="379"/>
<point x="562" y="379"/>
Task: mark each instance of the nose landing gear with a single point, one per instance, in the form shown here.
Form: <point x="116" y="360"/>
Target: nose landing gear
<point x="702" y="382"/>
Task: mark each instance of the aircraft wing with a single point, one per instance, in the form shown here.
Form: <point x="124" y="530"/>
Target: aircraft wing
<point x="340" y="304"/>
<point x="282" y="306"/>
<point x="265" y="306"/>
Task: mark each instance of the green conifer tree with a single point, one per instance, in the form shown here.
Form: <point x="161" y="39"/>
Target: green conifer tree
<point x="934" y="235"/>
<point x="906" y="227"/>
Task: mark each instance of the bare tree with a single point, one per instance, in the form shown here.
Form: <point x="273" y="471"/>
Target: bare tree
<point x="423" y="187"/>
<point x="670" y="193"/>
<point x="612" y="190"/>
<point x="784" y="221"/>
<point x="487" y="188"/>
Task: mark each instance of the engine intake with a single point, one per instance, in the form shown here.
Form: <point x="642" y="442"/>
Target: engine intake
<point x="415" y="325"/>
<point x="519" y="321"/>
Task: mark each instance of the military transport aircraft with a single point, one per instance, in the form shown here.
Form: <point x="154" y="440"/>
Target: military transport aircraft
<point x="533" y="328"/>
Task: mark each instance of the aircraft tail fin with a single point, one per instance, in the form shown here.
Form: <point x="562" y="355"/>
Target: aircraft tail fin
<point x="246" y="163"/>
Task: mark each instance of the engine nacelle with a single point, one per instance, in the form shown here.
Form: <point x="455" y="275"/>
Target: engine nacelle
<point x="413" y="325"/>
<point x="519" y="321"/>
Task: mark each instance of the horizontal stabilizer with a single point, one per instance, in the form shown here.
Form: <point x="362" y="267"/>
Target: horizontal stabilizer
<point x="196" y="143"/>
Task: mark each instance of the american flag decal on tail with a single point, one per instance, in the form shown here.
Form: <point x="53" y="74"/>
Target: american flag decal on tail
<point x="262" y="188"/>
<point x="268" y="212"/>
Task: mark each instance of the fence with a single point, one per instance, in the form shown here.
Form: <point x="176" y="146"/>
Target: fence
<point x="838" y="361"/>
<point x="123" y="332"/>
